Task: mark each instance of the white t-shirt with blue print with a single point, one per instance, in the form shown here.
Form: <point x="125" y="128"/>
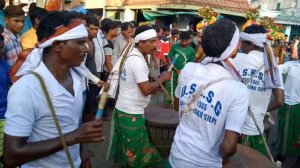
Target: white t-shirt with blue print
<point x="222" y="106"/>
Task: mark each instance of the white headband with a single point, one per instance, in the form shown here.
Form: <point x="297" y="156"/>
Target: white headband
<point x="75" y="33"/>
<point x="272" y="76"/>
<point x="148" y="34"/>
<point x="35" y="56"/>
<point x="229" y="50"/>
<point x="257" y="39"/>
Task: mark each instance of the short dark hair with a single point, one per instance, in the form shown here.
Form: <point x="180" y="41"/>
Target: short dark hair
<point x="216" y="37"/>
<point x="109" y="25"/>
<point x="51" y="21"/>
<point x="2" y="4"/>
<point x="134" y="24"/>
<point x="253" y="29"/>
<point x="157" y="29"/>
<point x="48" y="25"/>
<point x="118" y="22"/>
<point x="184" y="35"/>
<point x="166" y="28"/>
<point x="142" y="29"/>
<point x="92" y="20"/>
<point x="174" y="31"/>
<point x="77" y="15"/>
<point x="104" y="22"/>
<point x="13" y="11"/>
<point x="37" y="13"/>
<point x="126" y="25"/>
<point x="31" y="7"/>
<point x="191" y="32"/>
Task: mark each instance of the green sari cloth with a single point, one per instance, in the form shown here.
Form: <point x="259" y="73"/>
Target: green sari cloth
<point x="129" y="143"/>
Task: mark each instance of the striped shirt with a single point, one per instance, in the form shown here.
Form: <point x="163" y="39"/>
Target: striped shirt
<point x="12" y="47"/>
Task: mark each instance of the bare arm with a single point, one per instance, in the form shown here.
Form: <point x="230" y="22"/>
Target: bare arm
<point x="18" y="151"/>
<point x="176" y="103"/>
<point x="150" y="87"/>
<point x="169" y="61"/>
<point x="229" y="145"/>
<point x="108" y="63"/>
<point x="277" y="101"/>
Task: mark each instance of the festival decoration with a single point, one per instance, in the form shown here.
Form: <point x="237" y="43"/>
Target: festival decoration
<point x="274" y="31"/>
<point x="209" y="17"/>
<point x="252" y="15"/>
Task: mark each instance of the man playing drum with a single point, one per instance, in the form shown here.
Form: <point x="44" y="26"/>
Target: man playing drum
<point x="31" y="138"/>
<point x="288" y="116"/>
<point x="261" y="81"/>
<point x="212" y="103"/>
<point x="130" y="144"/>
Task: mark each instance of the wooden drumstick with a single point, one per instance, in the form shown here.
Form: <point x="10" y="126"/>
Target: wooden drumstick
<point x="261" y="134"/>
<point x="102" y="101"/>
<point x="173" y="62"/>
<point x="165" y="91"/>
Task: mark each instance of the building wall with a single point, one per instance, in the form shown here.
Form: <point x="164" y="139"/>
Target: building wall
<point x="275" y="4"/>
<point x="115" y="15"/>
<point x="287" y="4"/>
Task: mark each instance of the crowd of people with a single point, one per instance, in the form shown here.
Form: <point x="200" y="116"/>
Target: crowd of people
<point x="221" y="81"/>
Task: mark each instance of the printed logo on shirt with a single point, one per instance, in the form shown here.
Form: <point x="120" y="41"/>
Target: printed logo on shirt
<point x="257" y="82"/>
<point x="205" y="103"/>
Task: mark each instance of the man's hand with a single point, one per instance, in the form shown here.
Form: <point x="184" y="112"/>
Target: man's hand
<point x="229" y="145"/>
<point x="85" y="157"/>
<point x="100" y="83"/>
<point x="90" y="132"/>
<point x="17" y="150"/>
<point x="165" y="76"/>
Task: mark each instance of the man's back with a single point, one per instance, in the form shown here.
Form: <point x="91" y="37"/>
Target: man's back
<point x="119" y="44"/>
<point x="222" y="105"/>
<point x="291" y="86"/>
<point x="247" y="65"/>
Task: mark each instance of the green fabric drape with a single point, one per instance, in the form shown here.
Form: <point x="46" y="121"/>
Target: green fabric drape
<point x="151" y="15"/>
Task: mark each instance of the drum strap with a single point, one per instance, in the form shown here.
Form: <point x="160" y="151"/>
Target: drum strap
<point x="192" y="104"/>
<point x="251" y="114"/>
<point x="54" y="116"/>
<point x="257" y="71"/>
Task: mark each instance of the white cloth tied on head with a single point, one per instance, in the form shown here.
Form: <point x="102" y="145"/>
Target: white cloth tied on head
<point x="228" y="51"/>
<point x="35" y="56"/>
<point x="272" y="77"/>
<point x="115" y="73"/>
<point x="258" y="39"/>
<point x="145" y="35"/>
<point x="232" y="47"/>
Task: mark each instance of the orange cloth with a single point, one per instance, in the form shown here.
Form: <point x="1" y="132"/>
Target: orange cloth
<point x="53" y="5"/>
<point x="21" y="59"/>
